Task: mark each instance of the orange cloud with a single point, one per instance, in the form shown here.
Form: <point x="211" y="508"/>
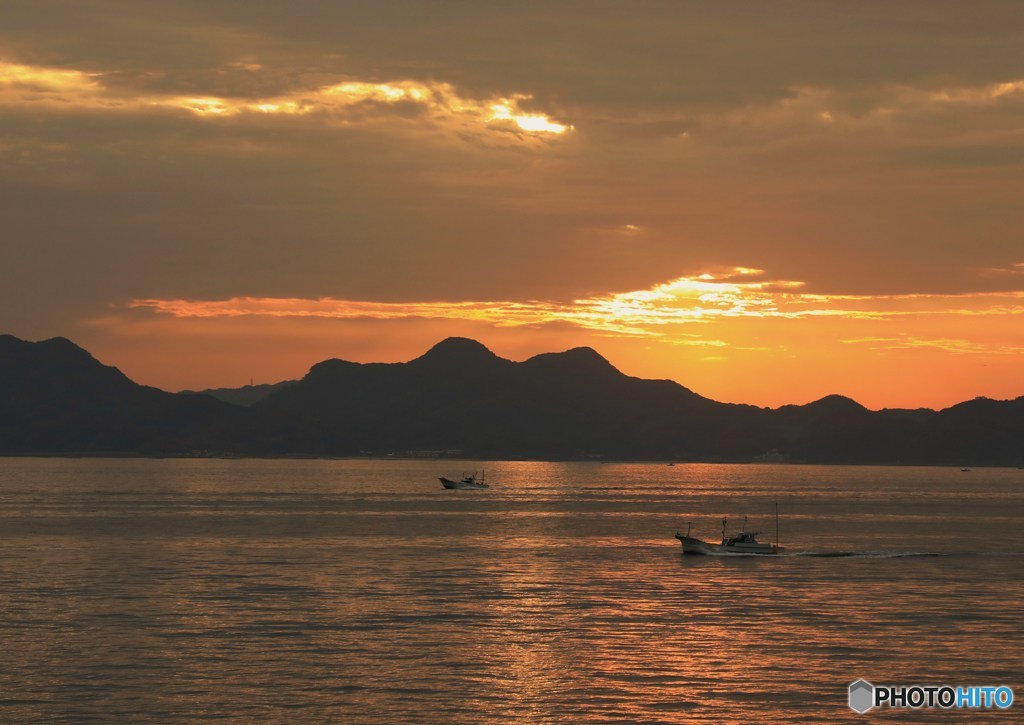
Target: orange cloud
<point x="736" y="293"/>
<point x="1012" y="270"/>
<point x="908" y="342"/>
<point x="734" y="334"/>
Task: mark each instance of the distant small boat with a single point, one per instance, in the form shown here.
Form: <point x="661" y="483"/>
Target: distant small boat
<point x="465" y="482"/>
<point x="964" y="470"/>
<point x="744" y="542"/>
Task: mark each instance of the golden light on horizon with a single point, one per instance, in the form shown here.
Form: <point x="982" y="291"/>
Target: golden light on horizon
<point x="685" y="299"/>
<point x="730" y="330"/>
<point x="905" y="353"/>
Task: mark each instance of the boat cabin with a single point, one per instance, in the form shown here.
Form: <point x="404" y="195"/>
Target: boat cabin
<point x="744" y="537"/>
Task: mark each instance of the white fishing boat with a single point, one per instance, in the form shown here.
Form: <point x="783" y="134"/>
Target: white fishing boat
<point x="744" y="542"/>
<point x="466" y="482"/>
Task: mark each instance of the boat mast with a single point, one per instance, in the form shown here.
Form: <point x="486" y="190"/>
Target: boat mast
<point x="776" y="524"/>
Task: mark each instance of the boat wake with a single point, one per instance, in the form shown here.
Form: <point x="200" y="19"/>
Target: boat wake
<point x="829" y="554"/>
<point x="737" y="554"/>
<point x="865" y="554"/>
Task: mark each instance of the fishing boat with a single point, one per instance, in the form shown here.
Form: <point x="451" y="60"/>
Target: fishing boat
<point x="470" y="481"/>
<point x="744" y="542"/>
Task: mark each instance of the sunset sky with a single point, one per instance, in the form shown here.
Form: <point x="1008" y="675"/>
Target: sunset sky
<point x="765" y="201"/>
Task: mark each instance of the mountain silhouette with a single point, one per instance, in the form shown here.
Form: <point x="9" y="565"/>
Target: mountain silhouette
<point x="459" y="396"/>
<point x="458" y="351"/>
<point x="460" y="399"/>
<point x="56" y="398"/>
<point x="246" y="395"/>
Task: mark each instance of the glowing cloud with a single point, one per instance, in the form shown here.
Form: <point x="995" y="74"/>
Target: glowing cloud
<point x="954" y="345"/>
<point x="1012" y="270"/>
<point x="508" y="110"/>
<point x="47" y="80"/>
<point x="736" y="293"/>
<point x="975" y="95"/>
<point x="349" y="101"/>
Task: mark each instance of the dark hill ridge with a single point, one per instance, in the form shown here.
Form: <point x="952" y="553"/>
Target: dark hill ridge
<point x="578" y="359"/>
<point x="458" y="351"/>
<point x="246" y="395"/>
<point x="56" y="398"/>
<point x="459" y="398"/>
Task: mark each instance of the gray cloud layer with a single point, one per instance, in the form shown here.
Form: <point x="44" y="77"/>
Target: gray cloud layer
<point x="862" y="147"/>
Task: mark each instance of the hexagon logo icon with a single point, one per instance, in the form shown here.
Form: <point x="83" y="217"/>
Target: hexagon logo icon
<point x="862" y="696"/>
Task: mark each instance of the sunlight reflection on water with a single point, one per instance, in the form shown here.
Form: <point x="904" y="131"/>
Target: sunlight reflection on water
<point x="360" y="591"/>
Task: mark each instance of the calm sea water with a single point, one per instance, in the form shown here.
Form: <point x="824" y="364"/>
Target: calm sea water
<point x="361" y="591"/>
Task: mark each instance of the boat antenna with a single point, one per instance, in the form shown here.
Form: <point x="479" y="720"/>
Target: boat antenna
<point x="776" y="524"/>
<point x="723" y="528"/>
<point x="688" y="525"/>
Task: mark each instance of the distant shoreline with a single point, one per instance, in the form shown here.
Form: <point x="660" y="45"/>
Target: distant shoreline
<point x="460" y="399"/>
<point x="650" y="461"/>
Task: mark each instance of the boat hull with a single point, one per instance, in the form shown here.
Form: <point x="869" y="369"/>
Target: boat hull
<point x="696" y="546"/>
<point x="448" y="483"/>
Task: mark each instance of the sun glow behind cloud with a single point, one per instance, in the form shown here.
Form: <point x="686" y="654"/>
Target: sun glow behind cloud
<point x="722" y="332"/>
<point x="347" y="101"/>
<point x="28" y="80"/>
<point x="737" y="293"/>
<point x="392" y="175"/>
<point x="508" y="110"/>
<point x="352" y="100"/>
